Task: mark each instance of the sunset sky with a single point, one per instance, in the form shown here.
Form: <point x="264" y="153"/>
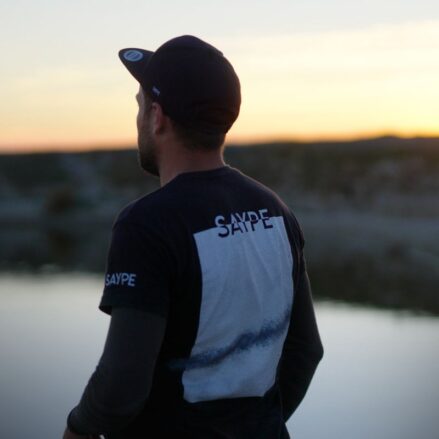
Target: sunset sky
<point x="309" y="70"/>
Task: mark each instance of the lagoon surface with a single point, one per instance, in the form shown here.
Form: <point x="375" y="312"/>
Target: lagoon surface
<point x="378" y="378"/>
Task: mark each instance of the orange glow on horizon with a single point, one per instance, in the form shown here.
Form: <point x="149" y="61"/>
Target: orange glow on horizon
<point x="232" y="140"/>
<point x="324" y="86"/>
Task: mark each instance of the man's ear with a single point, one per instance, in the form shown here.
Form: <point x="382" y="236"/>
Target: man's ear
<point x="159" y="118"/>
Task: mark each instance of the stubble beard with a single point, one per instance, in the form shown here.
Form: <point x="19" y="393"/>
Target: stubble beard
<point x="147" y="153"/>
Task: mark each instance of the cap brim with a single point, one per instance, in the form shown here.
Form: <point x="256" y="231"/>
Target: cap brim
<point x="136" y="61"/>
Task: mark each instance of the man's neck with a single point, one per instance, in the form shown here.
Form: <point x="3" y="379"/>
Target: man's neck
<point x="191" y="162"/>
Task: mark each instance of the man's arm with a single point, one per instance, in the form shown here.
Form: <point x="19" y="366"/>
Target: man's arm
<point x="302" y="350"/>
<point x="118" y="389"/>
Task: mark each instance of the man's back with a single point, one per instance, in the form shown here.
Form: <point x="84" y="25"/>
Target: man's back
<point x="220" y="257"/>
<point x="212" y="331"/>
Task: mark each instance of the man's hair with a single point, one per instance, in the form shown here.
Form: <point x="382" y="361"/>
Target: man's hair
<point x="191" y="138"/>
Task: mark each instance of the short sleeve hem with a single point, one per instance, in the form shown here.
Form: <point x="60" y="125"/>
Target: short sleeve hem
<point x="135" y="298"/>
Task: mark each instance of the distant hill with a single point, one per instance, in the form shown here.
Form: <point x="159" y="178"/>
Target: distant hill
<point x="369" y="210"/>
<point x="267" y="161"/>
<point x="377" y="174"/>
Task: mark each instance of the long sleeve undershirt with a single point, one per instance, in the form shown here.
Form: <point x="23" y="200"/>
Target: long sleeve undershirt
<point x="302" y="350"/>
<point x="118" y="389"/>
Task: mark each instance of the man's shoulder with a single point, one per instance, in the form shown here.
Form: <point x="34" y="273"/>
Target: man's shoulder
<point x="264" y="191"/>
<point x="278" y="203"/>
<point x="147" y="209"/>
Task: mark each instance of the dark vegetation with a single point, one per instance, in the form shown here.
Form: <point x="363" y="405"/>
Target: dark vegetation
<point x="369" y="209"/>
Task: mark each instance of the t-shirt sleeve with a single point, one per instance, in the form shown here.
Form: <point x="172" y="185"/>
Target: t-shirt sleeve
<point x="138" y="272"/>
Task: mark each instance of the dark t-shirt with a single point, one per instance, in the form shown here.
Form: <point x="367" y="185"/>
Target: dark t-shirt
<point x="218" y="255"/>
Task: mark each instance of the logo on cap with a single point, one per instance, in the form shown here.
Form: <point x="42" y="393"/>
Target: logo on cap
<point x="133" y="55"/>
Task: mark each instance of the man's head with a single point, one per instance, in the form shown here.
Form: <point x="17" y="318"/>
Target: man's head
<point x="187" y="86"/>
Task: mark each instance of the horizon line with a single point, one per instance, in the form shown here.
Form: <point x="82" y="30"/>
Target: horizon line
<point x="125" y="145"/>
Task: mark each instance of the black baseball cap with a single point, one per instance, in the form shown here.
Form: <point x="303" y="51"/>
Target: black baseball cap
<point x="192" y="81"/>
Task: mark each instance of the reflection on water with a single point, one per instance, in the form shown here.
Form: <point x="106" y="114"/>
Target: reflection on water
<point x="377" y="379"/>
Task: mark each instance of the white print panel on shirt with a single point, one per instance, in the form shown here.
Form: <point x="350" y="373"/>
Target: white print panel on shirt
<point x="247" y="294"/>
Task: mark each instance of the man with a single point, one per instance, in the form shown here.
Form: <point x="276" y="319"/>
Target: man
<point x="212" y="331"/>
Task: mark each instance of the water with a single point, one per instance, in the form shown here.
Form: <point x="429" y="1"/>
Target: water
<point x="378" y="378"/>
